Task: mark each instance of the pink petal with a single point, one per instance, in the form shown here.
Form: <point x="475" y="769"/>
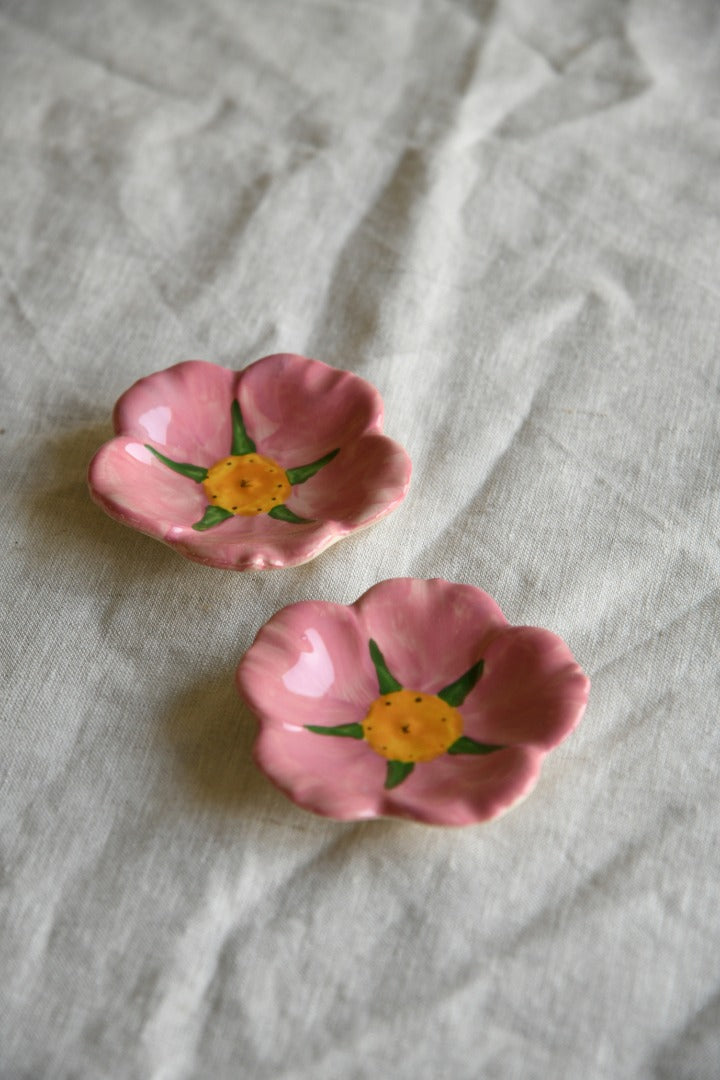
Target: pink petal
<point x="307" y="666"/>
<point x="429" y="631"/>
<point x="133" y="486"/>
<point x="297" y="409"/>
<point x="461" y="790"/>
<point x="336" y="776"/>
<point x="254" y="543"/>
<point x="366" y="480"/>
<point x="184" y="411"/>
<point x="532" y="690"/>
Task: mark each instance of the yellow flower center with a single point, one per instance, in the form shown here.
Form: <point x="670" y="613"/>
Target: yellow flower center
<point x="407" y="725"/>
<point x="246" y="484"/>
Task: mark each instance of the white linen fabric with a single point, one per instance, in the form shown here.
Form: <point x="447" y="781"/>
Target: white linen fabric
<point x="506" y="216"/>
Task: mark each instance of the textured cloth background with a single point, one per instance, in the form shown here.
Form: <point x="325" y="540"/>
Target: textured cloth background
<point x="507" y="217"/>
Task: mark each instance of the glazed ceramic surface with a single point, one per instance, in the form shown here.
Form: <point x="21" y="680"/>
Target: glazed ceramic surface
<point x="417" y="701"/>
<point x="250" y="470"/>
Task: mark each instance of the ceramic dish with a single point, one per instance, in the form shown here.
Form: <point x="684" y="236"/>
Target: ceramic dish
<point x="417" y="701"/>
<point x="249" y="470"/>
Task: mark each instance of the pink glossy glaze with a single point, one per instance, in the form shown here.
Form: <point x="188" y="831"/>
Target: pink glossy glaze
<point x="296" y="410"/>
<point x="310" y="664"/>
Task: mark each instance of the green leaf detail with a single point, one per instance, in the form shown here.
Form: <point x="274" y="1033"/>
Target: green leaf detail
<point x="350" y="731"/>
<point x="282" y="513"/>
<point x="213" y="516"/>
<point x="304" y="472"/>
<point x="466" y="745"/>
<point x="193" y="472"/>
<point x="456" y="692"/>
<point x="387" y="682"/>
<point x="241" y="441"/>
<point x="397" y="771"/>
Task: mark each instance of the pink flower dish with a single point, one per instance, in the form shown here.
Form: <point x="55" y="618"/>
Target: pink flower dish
<point x="250" y="470"/>
<point x="417" y="701"/>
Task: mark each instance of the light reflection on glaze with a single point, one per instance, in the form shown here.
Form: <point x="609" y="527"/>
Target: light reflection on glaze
<point x="155" y="422"/>
<point x="139" y="452"/>
<point x="313" y="674"/>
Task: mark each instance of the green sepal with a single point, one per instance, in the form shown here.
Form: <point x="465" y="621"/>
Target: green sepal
<point x="397" y="771"/>
<point x="213" y="516"/>
<point x="386" y="681"/>
<point x="193" y="472"/>
<point x="241" y="441"/>
<point x="304" y="472"/>
<point x="350" y="731"/>
<point x="282" y="513"/>
<point x="456" y="692"/>
<point x="466" y="745"/>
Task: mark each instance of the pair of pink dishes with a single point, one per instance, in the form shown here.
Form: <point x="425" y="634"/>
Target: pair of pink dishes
<point x="419" y="700"/>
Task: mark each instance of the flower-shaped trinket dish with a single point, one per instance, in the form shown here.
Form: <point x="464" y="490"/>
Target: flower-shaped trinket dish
<point x="249" y="470"/>
<point x="417" y="701"/>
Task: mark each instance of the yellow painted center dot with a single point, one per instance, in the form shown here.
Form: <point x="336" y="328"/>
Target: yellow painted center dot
<point x="246" y="484"/>
<point x="410" y="726"/>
